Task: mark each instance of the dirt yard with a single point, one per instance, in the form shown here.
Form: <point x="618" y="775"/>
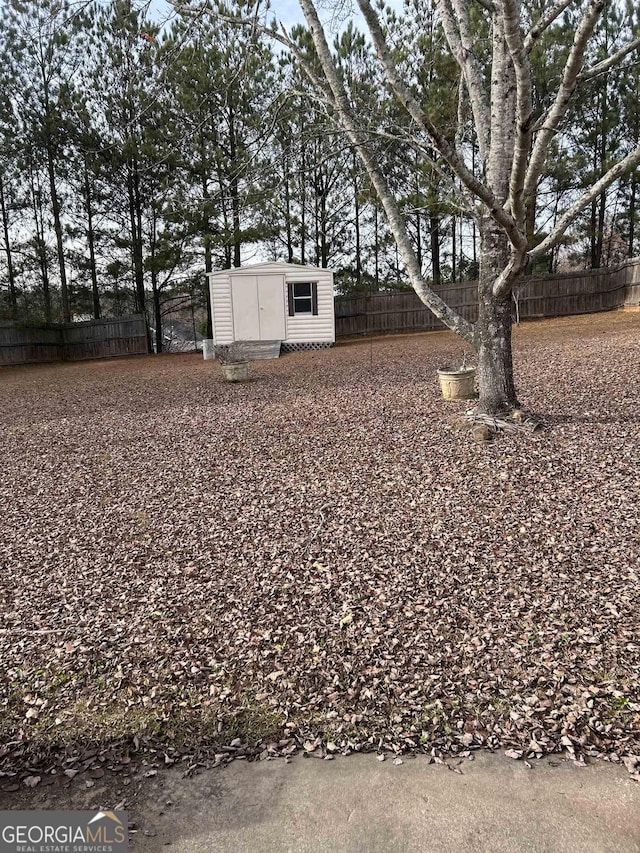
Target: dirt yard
<point x="317" y="559"/>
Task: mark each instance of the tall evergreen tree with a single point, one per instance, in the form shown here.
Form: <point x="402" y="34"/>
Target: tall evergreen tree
<point x="42" y="48"/>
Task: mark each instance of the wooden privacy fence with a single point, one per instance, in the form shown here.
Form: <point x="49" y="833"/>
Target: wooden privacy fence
<point x="553" y="296"/>
<point x="30" y="344"/>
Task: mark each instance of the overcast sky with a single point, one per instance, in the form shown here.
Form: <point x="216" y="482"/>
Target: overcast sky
<point x="288" y="12"/>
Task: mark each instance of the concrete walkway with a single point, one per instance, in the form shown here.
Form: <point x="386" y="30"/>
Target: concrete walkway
<point x="361" y="805"/>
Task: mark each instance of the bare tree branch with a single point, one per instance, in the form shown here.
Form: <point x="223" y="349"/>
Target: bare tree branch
<point x="626" y="165"/>
<point x="506" y="278"/>
<point x="524" y="108"/>
<point x="545" y="22"/>
<point x="608" y="63"/>
<point x="559" y="108"/>
<point x="460" y="113"/>
<point x="457" y="33"/>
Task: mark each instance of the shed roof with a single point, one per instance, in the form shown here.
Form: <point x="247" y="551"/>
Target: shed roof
<point x="272" y="265"/>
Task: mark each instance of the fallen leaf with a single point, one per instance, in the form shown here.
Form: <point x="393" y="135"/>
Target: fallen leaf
<point x="514" y="753"/>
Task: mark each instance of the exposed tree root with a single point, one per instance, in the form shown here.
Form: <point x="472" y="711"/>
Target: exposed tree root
<point x="515" y="420"/>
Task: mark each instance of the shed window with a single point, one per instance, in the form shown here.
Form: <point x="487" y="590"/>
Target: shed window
<point x="303" y="298"/>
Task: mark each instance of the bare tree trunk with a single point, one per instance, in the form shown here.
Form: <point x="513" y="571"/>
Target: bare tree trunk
<point x="135" y="222"/>
<point x="234" y="187"/>
<point x="599" y="205"/>
<point x="418" y="218"/>
<point x="225" y="211"/>
<point x="287" y="201"/>
<point x="235" y="209"/>
<point x="13" y="297"/>
<point x="632" y="214"/>
<point x="206" y="231"/>
<point x="317" y="189"/>
<point x="208" y="267"/>
<point x="55" y="206"/>
<point x="495" y="362"/>
<point x="223" y="200"/>
<point x="612" y="233"/>
<point x="454" y="250"/>
<point x="155" y="290"/>
<point x="357" y="219"/>
<point x="595" y="260"/>
<point x="324" y="246"/>
<point x="602" y="205"/>
<point x="376" y="244"/>
<point x="207" y="300"/>
<point x="91" y="242"/>
<point x="57" y="225"/>
<point x="139" y="254"/>
<point x="41" y="248"/>
<point x="157" y="310"/>
<point x="303" y="192"/>
<point x="493" y="329"/>
<point x="434" y="228"/>
<point x="634" y="184"/>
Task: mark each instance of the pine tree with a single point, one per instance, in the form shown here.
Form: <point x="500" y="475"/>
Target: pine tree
<point x="42" y="49"/>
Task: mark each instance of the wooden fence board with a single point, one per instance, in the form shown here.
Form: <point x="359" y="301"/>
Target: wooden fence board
<point x="633" y="285"/>
<point x="111" y="338"/>
<point x="581" y="292"/>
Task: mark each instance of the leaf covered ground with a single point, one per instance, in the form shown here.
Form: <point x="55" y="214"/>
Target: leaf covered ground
<point x="317" y="559"/>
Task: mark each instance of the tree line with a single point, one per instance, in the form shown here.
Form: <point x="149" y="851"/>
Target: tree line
<point x="137" y="153"/>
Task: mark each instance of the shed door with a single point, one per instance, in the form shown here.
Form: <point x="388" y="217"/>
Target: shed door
<point x="271" y="303"/>
<point x="244" y="298"/>
<point x="258" y="307"/>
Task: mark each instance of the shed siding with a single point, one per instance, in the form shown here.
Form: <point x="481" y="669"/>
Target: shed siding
<point x="222" y="309"/>
<point x="305" y="328"/>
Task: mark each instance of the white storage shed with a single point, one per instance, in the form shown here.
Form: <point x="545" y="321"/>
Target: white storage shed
<point x="290" y="303"/>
